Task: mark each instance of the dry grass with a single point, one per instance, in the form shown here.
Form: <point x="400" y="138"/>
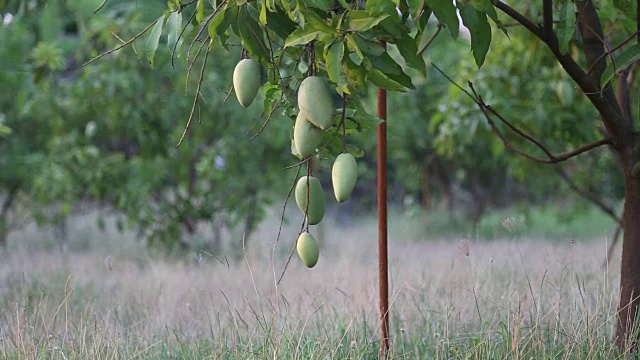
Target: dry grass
<point x="455" y="299"/>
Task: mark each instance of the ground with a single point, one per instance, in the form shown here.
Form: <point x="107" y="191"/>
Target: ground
<point x="450" y="298"/>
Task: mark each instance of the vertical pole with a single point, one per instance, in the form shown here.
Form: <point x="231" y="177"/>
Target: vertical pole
<point x="383" y="268"/>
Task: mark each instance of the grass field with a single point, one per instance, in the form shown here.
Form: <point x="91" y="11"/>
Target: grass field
<point x="514" y="297"/>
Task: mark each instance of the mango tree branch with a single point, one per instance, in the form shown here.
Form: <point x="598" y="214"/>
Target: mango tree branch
<point x="487" y="111"/>
<point x="547" y="15"/>
<point x="604" y="101"/>
<point x="587" y="195"/>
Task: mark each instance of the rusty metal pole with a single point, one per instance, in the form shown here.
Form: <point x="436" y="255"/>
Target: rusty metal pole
<point x="383" y="268"/>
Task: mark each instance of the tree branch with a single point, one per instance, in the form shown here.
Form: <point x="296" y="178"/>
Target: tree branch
<point x="586" y="194"/>
<point x="604" y="101"/>
<point x="547" y="15"/>
<point x="487" y="111"/>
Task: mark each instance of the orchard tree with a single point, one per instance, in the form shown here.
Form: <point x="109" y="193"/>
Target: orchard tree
<point x="344" y="41"/>
<point x="72" y="145"/>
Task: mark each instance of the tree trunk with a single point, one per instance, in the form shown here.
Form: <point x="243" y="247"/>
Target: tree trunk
<point x="426" y="194"/>
<point x="4" y="213"/>
<point x="626" y="333"/>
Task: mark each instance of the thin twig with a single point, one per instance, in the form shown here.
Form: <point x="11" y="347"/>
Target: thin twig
<point x="611" y="51"/>
<point x="284" y="209"/>
<point x="102" y="4"/>
<point x="186" y="82"/>
<point x="264" y="125"/>
<point x="433" y="37"/>
<point x="343" y="123"/>
<point x="195" y="98"/>
<point x="138" y="35"/>
<point x="175" y="47"/>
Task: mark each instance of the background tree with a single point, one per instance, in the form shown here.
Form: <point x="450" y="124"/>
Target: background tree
<point x="342" y="41"/>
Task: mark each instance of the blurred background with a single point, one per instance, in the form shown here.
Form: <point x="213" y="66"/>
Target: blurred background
<point x="91" y="150"/>
<point x="116" y="243"/>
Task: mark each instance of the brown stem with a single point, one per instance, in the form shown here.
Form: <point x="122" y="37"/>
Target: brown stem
<point x="587" y="195"/>
<point x="547" y="14"/>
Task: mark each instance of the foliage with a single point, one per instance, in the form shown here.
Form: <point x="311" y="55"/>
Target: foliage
<point x="105" y="138"/>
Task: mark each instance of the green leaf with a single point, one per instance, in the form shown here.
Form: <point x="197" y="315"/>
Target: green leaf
<point x="302" y="36"/>
<point x="446" y="13"/>
<point x="200" y="11"/>
<point x="252" y="36"/>
<point x="626" y="7"/>
<point x="486" y="7"/>
<point x="280" y="23"/>
<point x="380" y="79"/>
<point x="4" y="130"/>
<point x="566" y="28"/>
<point x="312" y="19"/>
<point x="174" y="26"/>
<point x="415" y="7"/>
<point x="385" y="69"/>
<point x="621" y="62"/>
<point x="368" y="46"/>
<point x="356" y="53"/>
<point x="323" y="5"/>
<point x="216" y="26"/>
<point x="153" y="40"/>
<point x="360" y="20"/>
<point x="333" y="57"/>
<point x="409" y="51"/>
<point x="263" y="13"/>
<point x="480" y="31"/>
<point x="376" y="7"/>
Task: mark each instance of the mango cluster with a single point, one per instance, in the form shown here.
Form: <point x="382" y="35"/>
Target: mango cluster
<point x="314" y="118"/>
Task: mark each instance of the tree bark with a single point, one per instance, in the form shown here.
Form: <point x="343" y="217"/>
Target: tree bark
<point x="626" y="333"/>
<point x="4" y="212"/>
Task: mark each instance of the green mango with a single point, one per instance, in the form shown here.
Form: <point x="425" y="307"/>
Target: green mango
<point x="344" y="175"/>
<point x="308" y="250"/>
<point x="314" y="100"/>
<point x="246" y="81"/>
<point x="316" y="199"/>
<point x="306" y="136"/>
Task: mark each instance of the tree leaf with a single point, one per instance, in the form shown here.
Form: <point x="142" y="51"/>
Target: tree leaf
<point x="446" y="13"/>
<point x="356" y="53"/>
<point x="174" y="26"/>
<point x="280" y="24"/>
<point x="479" y="29"/>
<point x="252" y="36"/>
<point x="368" y="46"/>
<point x="200" y="11"/>
<point x="380" y="79"/>
<point x="323" y="5"/>
<point x="334" y="53"/>
<point x="486" y="7"/>
<point x="311" y="18"/>
<point x="218" y="24"/>
<point x="385" y="65"/>
<point x="566" y="28"/>
<point x="376" y="7"/>
<point x="621" y="62"/>
<point x="409" y="51"/>
<point x="153" y="39"/>
<point x="360" y="20"/>
<point x="302" y="36"/>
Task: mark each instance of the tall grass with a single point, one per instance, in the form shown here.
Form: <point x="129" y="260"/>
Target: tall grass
<point x="515" y="298"/>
